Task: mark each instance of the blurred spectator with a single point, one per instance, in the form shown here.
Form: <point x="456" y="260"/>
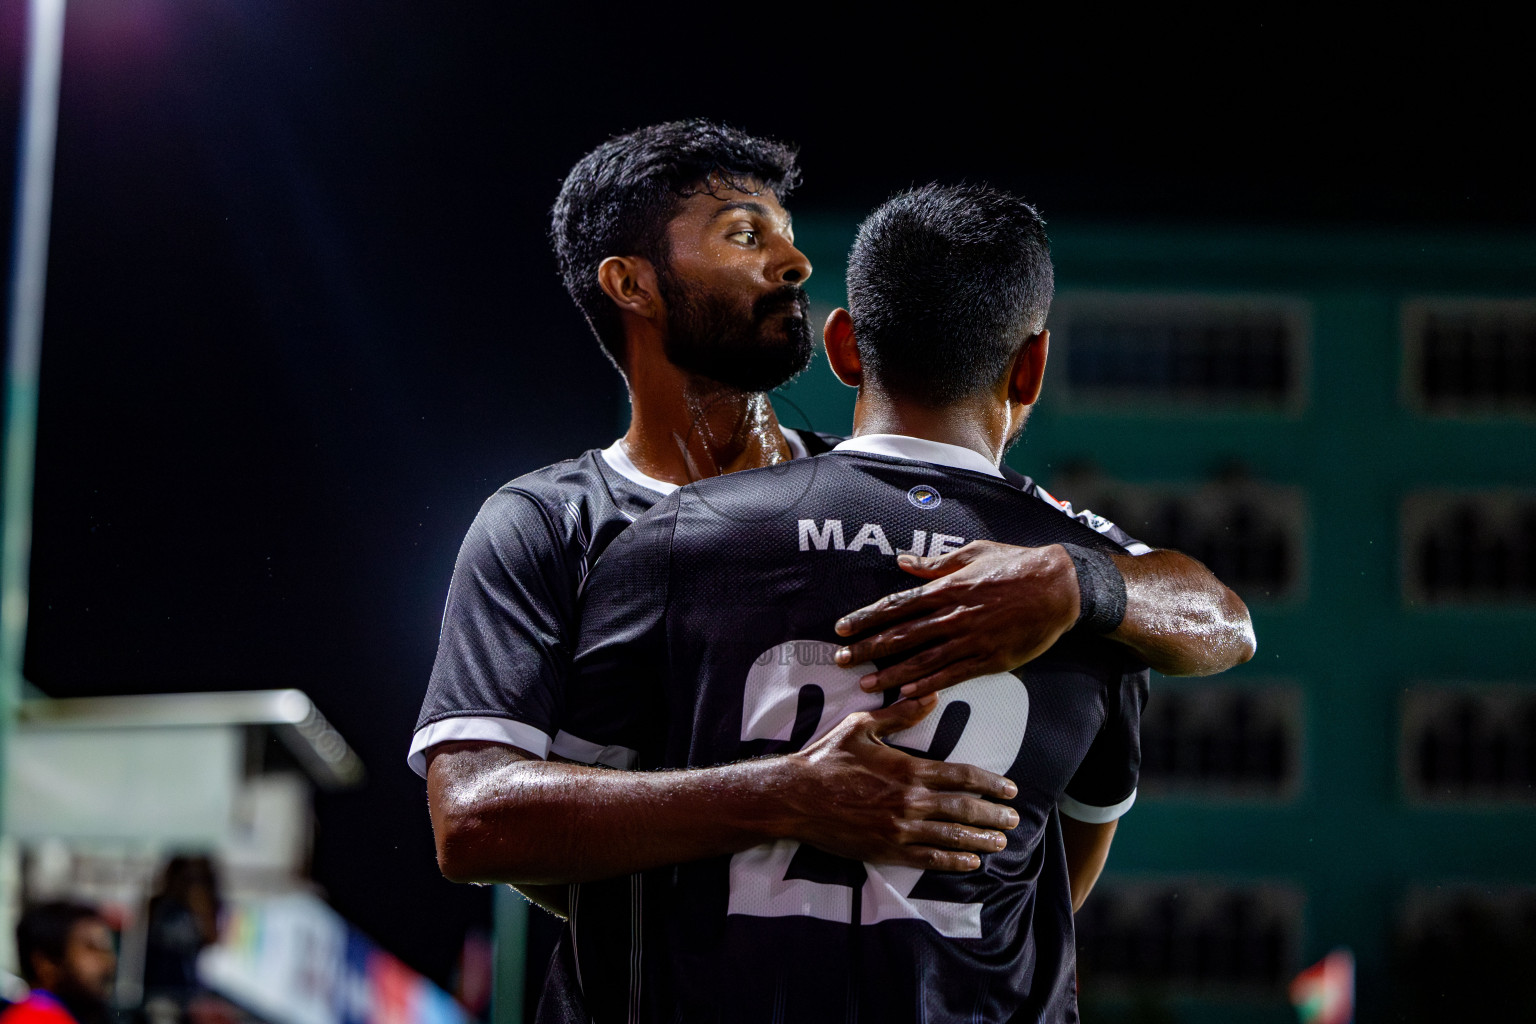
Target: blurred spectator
<point x="183" y="918"/>
<point x="68" y="958"/>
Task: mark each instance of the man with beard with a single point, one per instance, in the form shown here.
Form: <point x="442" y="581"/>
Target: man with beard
<point x="674" y="243"/>
<point x="67" y="957"/>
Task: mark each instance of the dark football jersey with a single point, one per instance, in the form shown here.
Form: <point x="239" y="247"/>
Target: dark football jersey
<point x="508" y="633"/>
<point x="706" y="637"/>
<point x="509" y="630"/>
<point x="509" y="625"/>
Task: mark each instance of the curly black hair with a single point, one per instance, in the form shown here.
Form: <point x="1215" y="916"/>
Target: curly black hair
<point x="619" y="198"/>
<point x="945" y="284"/>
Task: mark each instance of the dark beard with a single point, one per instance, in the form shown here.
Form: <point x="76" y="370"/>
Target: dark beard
<point x="707" y="337"/>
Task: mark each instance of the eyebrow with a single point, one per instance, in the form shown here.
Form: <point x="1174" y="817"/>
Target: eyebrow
<point x="751" y="207"/>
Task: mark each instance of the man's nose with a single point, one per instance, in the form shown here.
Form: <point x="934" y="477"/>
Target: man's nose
<point x="793" y="268"/>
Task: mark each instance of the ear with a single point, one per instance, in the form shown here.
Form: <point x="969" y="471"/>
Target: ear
<point x="44" y="970"/>
<point x="1028" y="373"/>
<point x="630" y="281"/>
<point x="843" y="348"/>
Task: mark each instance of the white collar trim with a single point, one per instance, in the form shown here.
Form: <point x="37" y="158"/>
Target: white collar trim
<point x="920" y="449"/>
<point x="619" y="461"/>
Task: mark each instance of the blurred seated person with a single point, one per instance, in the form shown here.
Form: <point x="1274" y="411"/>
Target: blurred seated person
<point x="68" y="958"/>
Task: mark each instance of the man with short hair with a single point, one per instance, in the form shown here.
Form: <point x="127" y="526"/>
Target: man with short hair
<point x="675" y="245"/>
<point x="68" y="958"/>
<point x="711" y="637"/>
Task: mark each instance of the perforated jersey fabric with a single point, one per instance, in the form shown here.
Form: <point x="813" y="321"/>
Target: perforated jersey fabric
<point x="510" y="620"/>
<point x="504" y="652"/>
<point x="706" y="637"/>
<point x="509" y="624"/>
<point x="507" y="636"/>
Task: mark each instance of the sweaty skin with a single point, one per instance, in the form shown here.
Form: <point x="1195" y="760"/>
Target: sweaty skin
<point x="501" y="815"/>
<point x="993" y="607"/>
<point x="1087" y="849"/>
<point x="685" y="427"/>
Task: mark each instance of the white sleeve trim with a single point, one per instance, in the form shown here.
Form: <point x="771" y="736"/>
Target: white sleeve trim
<point x="587" y="752"/>
<point x="1094" y="815"/>
<point x="1138" y="548"/>
<point x="471" y="727"/>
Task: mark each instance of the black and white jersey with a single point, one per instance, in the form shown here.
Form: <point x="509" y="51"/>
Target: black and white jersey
<point x="509" y="625"/>
<point x="509" y="631"/>
<point x="707" y="637"/>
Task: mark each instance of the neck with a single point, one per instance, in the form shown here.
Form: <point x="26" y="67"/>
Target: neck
<point x="684" y="427"/>
<point x="981" y="424"/>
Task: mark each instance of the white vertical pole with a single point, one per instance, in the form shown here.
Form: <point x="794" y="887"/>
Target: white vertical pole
<point x="29" y="266"/>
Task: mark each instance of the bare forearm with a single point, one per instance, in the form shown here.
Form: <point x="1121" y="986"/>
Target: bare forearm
<point x="501" y="815"/>
<point x="1180" y="618"/>
<point x="536" y="822"/>
<point x="1087" y="849"/>
<point x="991" y="607"/>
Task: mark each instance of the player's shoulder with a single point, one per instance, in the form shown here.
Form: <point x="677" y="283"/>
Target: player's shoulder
<point x="1009" y="502"/>
<point x="571" y="502"/>
<point x="553" y="485"/>
<point x="1086" y="516"/>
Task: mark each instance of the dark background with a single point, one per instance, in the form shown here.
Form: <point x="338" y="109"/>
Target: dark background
<point x="302" y="317"/>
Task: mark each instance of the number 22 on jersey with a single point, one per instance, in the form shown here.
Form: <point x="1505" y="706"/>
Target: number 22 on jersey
<point x="992" y="735"/>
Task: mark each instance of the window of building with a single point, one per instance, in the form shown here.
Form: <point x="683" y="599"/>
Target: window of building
<point x="1470" y="357"/>
<point x="1482" y="936"/>
<point x="1195" y="352"/>
<point x="1469" y="548"/>
<point x="1222" y="741"/>
<point x="1470" y="744"/>
<point x="1199" y="936"/>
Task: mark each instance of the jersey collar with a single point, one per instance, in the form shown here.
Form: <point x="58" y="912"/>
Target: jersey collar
<point x="620" y="462"/>
<point x="920" y="449"/>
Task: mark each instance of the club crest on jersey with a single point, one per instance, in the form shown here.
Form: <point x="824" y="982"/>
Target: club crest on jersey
<point x="924" y="496"/>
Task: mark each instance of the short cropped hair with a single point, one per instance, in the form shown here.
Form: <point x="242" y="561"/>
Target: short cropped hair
<point x="44" y="929"/>
<point x="619" y="198"/>
<point x="945" y="284"/>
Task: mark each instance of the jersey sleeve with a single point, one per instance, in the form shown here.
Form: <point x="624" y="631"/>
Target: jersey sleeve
<point x="504" y="650"/>
<point x="617" y="689"/>
<point x="1096" y="523"/>
<point x="1104" y="786"/>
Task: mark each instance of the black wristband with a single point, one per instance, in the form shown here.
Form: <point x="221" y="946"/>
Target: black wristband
<point x="1101" y="587"/>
